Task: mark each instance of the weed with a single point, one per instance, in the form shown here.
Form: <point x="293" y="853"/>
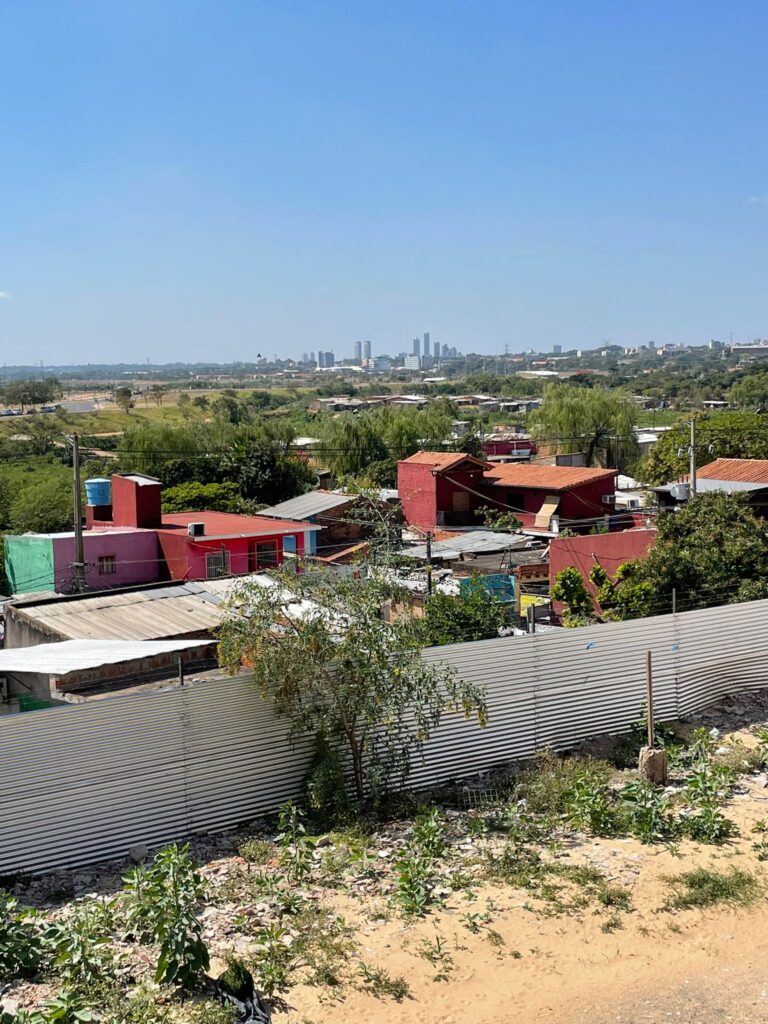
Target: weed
<point x="256" y="851"/>
<point x="429" y="833"/>
<point x="647" y="812"/>
<point x="615" y="896"/>
<point x="21" y="945"/>
<point x="703" y="887"/>
<point x="709" y="825"/>
<point x="380" y="983"/>
<point x="548" y="787"/>
<point x="495" y="938"/>
<point x="413" y="871"/>
<point x="611" y="924"/>
<point x="760" y="846"/>
<point x="324" y="945"/>
<point x="471" y="922"/>
<point x="590" y="808"/>
<point x="437" y="954"/>
<point x="274" y="961"/>
<point x="161" y="906"/>
<point x="519" y="866"/>
<point x="68" y="1007"/>
<point x="82" y="954"/>
<point x="296" y="847"/>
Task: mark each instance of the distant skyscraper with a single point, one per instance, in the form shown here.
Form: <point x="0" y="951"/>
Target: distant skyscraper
<point x="304" y="357"/>
<point x="557" y="350"/>
<point x="452" y="352"/>
<point x="321" y="359"/>
<point x="417" y="346"/>
<point x="446" y="351"/>
<point x="366" y="350"/>
<point x="426" y="350"/>
<point x="358" y="351"/>
<point x="311" y="357"/>
<point x="437" y="350"/>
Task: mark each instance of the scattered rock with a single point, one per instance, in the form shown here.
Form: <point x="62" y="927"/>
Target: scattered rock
<point x="138" y="853"/>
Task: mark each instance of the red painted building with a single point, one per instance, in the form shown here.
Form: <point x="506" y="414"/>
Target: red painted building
<point x="608" y="550"/>
<point x="198" y="545"/>
<point x="447" y="488"/>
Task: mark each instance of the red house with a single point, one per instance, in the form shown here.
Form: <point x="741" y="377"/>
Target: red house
<point x="535" y="493"/>
<point x="199" y="545"/>
<point x="440" y="488"/>
<point x="447" y="488"/>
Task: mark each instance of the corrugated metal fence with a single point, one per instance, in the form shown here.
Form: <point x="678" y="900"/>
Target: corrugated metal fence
<point x="86" y="782"/>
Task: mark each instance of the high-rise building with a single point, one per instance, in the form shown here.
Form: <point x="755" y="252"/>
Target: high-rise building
<point x="412" y="362"/>
<point x="304" y="357"/>
<point x="366" y="350"/>
<point x="557" y="350"/>
<point x="446" y="351"/>
<point x="358" y="351"/>
<point x="437" y="350"/>
<point x="427" y="349"/>
<point x="321" y="359"/>
<point x="417" y="346"/>
<point x="311" y="357"/>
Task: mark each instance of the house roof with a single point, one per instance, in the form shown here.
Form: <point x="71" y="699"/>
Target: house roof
<point x="146" y="613"/>
<point x="750" y="471"/>
<point x="76" y="655"/>
<point x="219" y="525"/>
<point x="443" y="461"/>
<point x="307" y="505"/>
<point x="547" y="478"/>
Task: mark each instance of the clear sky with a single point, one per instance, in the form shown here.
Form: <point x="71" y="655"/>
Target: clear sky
<point x="210" y="179"/>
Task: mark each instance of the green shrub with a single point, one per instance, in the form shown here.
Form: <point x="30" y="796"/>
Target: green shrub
<point x="325" y="786"/>
<point x="21" y="946"/>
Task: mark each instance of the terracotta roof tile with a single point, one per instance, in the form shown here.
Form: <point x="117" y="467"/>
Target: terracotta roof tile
<point x="443" y="460"/>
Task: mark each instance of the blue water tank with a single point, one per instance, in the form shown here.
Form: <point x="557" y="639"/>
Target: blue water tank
<point x="97" y="491"/>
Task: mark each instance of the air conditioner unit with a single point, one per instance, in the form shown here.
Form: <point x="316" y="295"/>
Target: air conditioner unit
<point x="609" y="499"/>
<point x="196" y="529"/>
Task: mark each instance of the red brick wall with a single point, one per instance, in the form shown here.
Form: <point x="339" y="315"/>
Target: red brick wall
<point x="417" y="488"/>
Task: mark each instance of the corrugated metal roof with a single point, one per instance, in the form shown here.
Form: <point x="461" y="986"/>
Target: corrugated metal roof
<point x="753" y="471"/>
<point x="475" y="542"/>
<point x="307" y="505"/>
<point x="74" y="655"/>
<point x="154" y="613"/>
<point x="442" y="460"/>
<point x="550" y="478"/>
<point x="705" y="486"/>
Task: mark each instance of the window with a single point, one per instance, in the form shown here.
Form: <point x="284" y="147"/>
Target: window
<point x="263" y="556"/>
<point x="107" y="565"/>
<point x="217" y="564"/>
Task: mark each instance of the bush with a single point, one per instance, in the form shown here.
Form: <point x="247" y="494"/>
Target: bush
<point x="326" y="786"/>
<point x="21" y="945"/>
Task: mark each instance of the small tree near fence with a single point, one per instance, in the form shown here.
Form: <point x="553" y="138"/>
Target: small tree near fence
<point x="322" y="653"/>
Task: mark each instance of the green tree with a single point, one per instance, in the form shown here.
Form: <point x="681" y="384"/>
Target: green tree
<point x="570" y="589"/>
<point x="498" y="519"/>
<point x="124" y="398"/>
<point x="712" y="550"/>
<point x="596" y="421"/>
<point x="157" y="393"/>
<point x="197" y="497"/>
<point x="351" y="443"/>
<point x="43" y="507"/>
<point x="336" y="669"/>
<point x="266" y="472"/>
<point x="474" y="614"/>
<point x="732" y="435"/>
<point x="751" y="392"/>
<point x="31" y="392"/>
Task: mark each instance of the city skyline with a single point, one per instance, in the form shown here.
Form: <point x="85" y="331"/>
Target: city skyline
<point x="181" y="179"/>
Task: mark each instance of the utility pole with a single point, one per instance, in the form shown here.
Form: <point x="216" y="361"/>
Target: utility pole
<point x="429" y="561"/>
<point x="78" y="568"/>
<point x="692" y="452"/>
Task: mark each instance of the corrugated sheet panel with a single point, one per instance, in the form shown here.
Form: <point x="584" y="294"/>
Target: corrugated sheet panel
<point x="88" y="781"/>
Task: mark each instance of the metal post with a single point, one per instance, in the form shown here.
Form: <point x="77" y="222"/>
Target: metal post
<point x="429" y="561"/>
<point x="78" y="568"/>
<point x="692" y="450"/>
<point x="649" y="695"/>
<point x="674" y="600"/>
<point x="181" y="672"/>
<point x="531" y="613"/>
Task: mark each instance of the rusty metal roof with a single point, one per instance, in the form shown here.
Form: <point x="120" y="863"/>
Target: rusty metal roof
<point x="152" y="613"/>
<point x="443" y="460"/>
<point x="548" y="478"/>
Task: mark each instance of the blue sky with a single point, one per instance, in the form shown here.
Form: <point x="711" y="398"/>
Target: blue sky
<point x="210" y="179"/>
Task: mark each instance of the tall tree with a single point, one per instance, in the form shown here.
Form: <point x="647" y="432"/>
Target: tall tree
<point x="596" y="421"/>
<point x="351" y="443"/>
<point x="336" y="669"/>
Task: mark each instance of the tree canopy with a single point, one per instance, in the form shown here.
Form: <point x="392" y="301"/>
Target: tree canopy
<point x="336" y="669"/>
<point x="595" y="420"/>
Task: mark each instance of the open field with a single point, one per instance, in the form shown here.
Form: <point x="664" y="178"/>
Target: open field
<point x="519" y="916"/>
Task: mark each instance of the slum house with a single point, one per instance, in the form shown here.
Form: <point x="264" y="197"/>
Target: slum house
<point x="342" y="520"/>
<point x="729" y="476"/>
<point x="72" y="671"/>
<point x="448" y="489"/>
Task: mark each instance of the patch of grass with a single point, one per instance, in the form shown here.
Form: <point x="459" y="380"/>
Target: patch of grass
<point x="703" y="887"/>
<point x="380" y="983"/>
<point x="615" y="896"/>
<point x="438" y="955"/>
<point x="257" y="851"/>
<point x="611" y="924"/>
<point x="324" y="944"/>
<point x="547" y="788"/>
